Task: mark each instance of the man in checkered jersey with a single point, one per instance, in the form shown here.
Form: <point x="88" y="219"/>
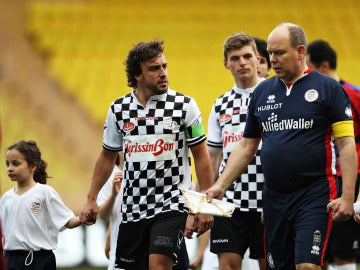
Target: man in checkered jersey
<point x="155" y="127"/>
<point x="231" y="237"/>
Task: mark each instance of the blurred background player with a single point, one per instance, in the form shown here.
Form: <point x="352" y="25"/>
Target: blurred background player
<point x="343" y="247"/>
<point x="264" y="62"/>
<point x="109" y="200"/>
<point x="204" y="257"/>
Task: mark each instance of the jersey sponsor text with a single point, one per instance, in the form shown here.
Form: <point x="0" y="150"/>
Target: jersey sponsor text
<point x="269" y="107"/>
<point x="231" y="138"/>
<point x="152" y="147"/>
<point x="287" y="124"/>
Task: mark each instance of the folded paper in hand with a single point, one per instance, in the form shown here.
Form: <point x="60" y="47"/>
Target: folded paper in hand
<point x="197" y="204"/>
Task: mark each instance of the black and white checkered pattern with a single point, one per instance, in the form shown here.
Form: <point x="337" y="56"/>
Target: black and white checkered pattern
<point x="156" y="152"/>
<point x="226" y="126"/>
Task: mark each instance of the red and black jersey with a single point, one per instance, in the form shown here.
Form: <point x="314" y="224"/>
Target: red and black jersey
<point x="353" y="92"/>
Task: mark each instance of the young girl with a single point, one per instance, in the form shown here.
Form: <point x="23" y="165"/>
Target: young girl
<point x="32" y="213"/>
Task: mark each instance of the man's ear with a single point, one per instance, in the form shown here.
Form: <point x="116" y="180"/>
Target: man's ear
<point x="302" y="52"/>
<point x="225" y="64"/>
<point x="137" y="77"/>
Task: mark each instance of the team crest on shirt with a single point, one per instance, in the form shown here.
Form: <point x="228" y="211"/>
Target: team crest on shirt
<point x="311" y="95"/>
<point x="128" y="126"/>
<point x="224" y="118"/>
<point x="35" y="206"/>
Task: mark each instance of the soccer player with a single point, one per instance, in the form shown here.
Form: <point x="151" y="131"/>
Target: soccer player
<point x="264" y="63"/>
<point x="155" y="127"/>
<point x="231" y="237"/>
<point x="345" y="236"/>
<point x="295" y="115"/>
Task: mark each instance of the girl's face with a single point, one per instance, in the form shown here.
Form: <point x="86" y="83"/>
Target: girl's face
<point x="17" y="167"/>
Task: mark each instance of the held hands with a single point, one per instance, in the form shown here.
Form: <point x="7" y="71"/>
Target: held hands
<point x="89" y="213"/>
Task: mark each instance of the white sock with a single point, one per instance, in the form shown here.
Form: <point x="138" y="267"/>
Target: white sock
<point x="350" y="266"/>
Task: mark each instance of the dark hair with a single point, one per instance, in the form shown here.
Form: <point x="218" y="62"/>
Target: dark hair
<point x="32" y="155"/>
<point x="141" y="53"/>
<point x="320" y="51"/>
<point x="261" y="46"/>
<point x="237" y="41"/>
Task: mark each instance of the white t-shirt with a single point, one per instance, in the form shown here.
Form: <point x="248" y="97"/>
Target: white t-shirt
<point x="33" y="220"/>
<point x="115" y="218"/>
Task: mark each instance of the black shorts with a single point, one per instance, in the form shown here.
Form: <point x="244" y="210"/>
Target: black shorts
<point x="162" y="234"/>
<point x="344" y="241"/>
<point x="183" y="259"/>
<point x="297" y="224"/>
<point x="30" y="260"/>
<point x="236" y="234"/>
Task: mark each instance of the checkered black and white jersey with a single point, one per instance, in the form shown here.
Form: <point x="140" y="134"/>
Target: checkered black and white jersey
<point x="155" y="141"/>
<point x="225" y="129"/>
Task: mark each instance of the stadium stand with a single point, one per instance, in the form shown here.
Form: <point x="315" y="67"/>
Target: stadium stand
<point x="61" y="63"/>
<point x="34" y="107"/>
<point x="88" y="40"/>
<point x="65" y="57"/>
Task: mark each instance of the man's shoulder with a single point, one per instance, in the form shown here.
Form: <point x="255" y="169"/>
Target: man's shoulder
<point x="227" y="93"/>
<point x="123" y="98"/>
<point x="350" y="86"/>
<point x="175" y="96"/>
<point x="269" y="84"/>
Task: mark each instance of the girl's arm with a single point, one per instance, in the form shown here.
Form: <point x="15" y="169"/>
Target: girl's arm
<point x="105" y="209"/>
<point x="73" y="223"/>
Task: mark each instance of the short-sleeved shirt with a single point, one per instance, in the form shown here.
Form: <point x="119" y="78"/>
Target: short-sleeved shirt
<point x="295" y="126"/>
<point x="155" y="140"/>
<point x="32" y="221"/>
<point x="225" y="129"/>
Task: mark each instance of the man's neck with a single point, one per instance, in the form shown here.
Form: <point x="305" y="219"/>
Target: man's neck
<point x="244" y="84"/>
<point x="142" y="96"/>
<point x="334" y="75"/>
